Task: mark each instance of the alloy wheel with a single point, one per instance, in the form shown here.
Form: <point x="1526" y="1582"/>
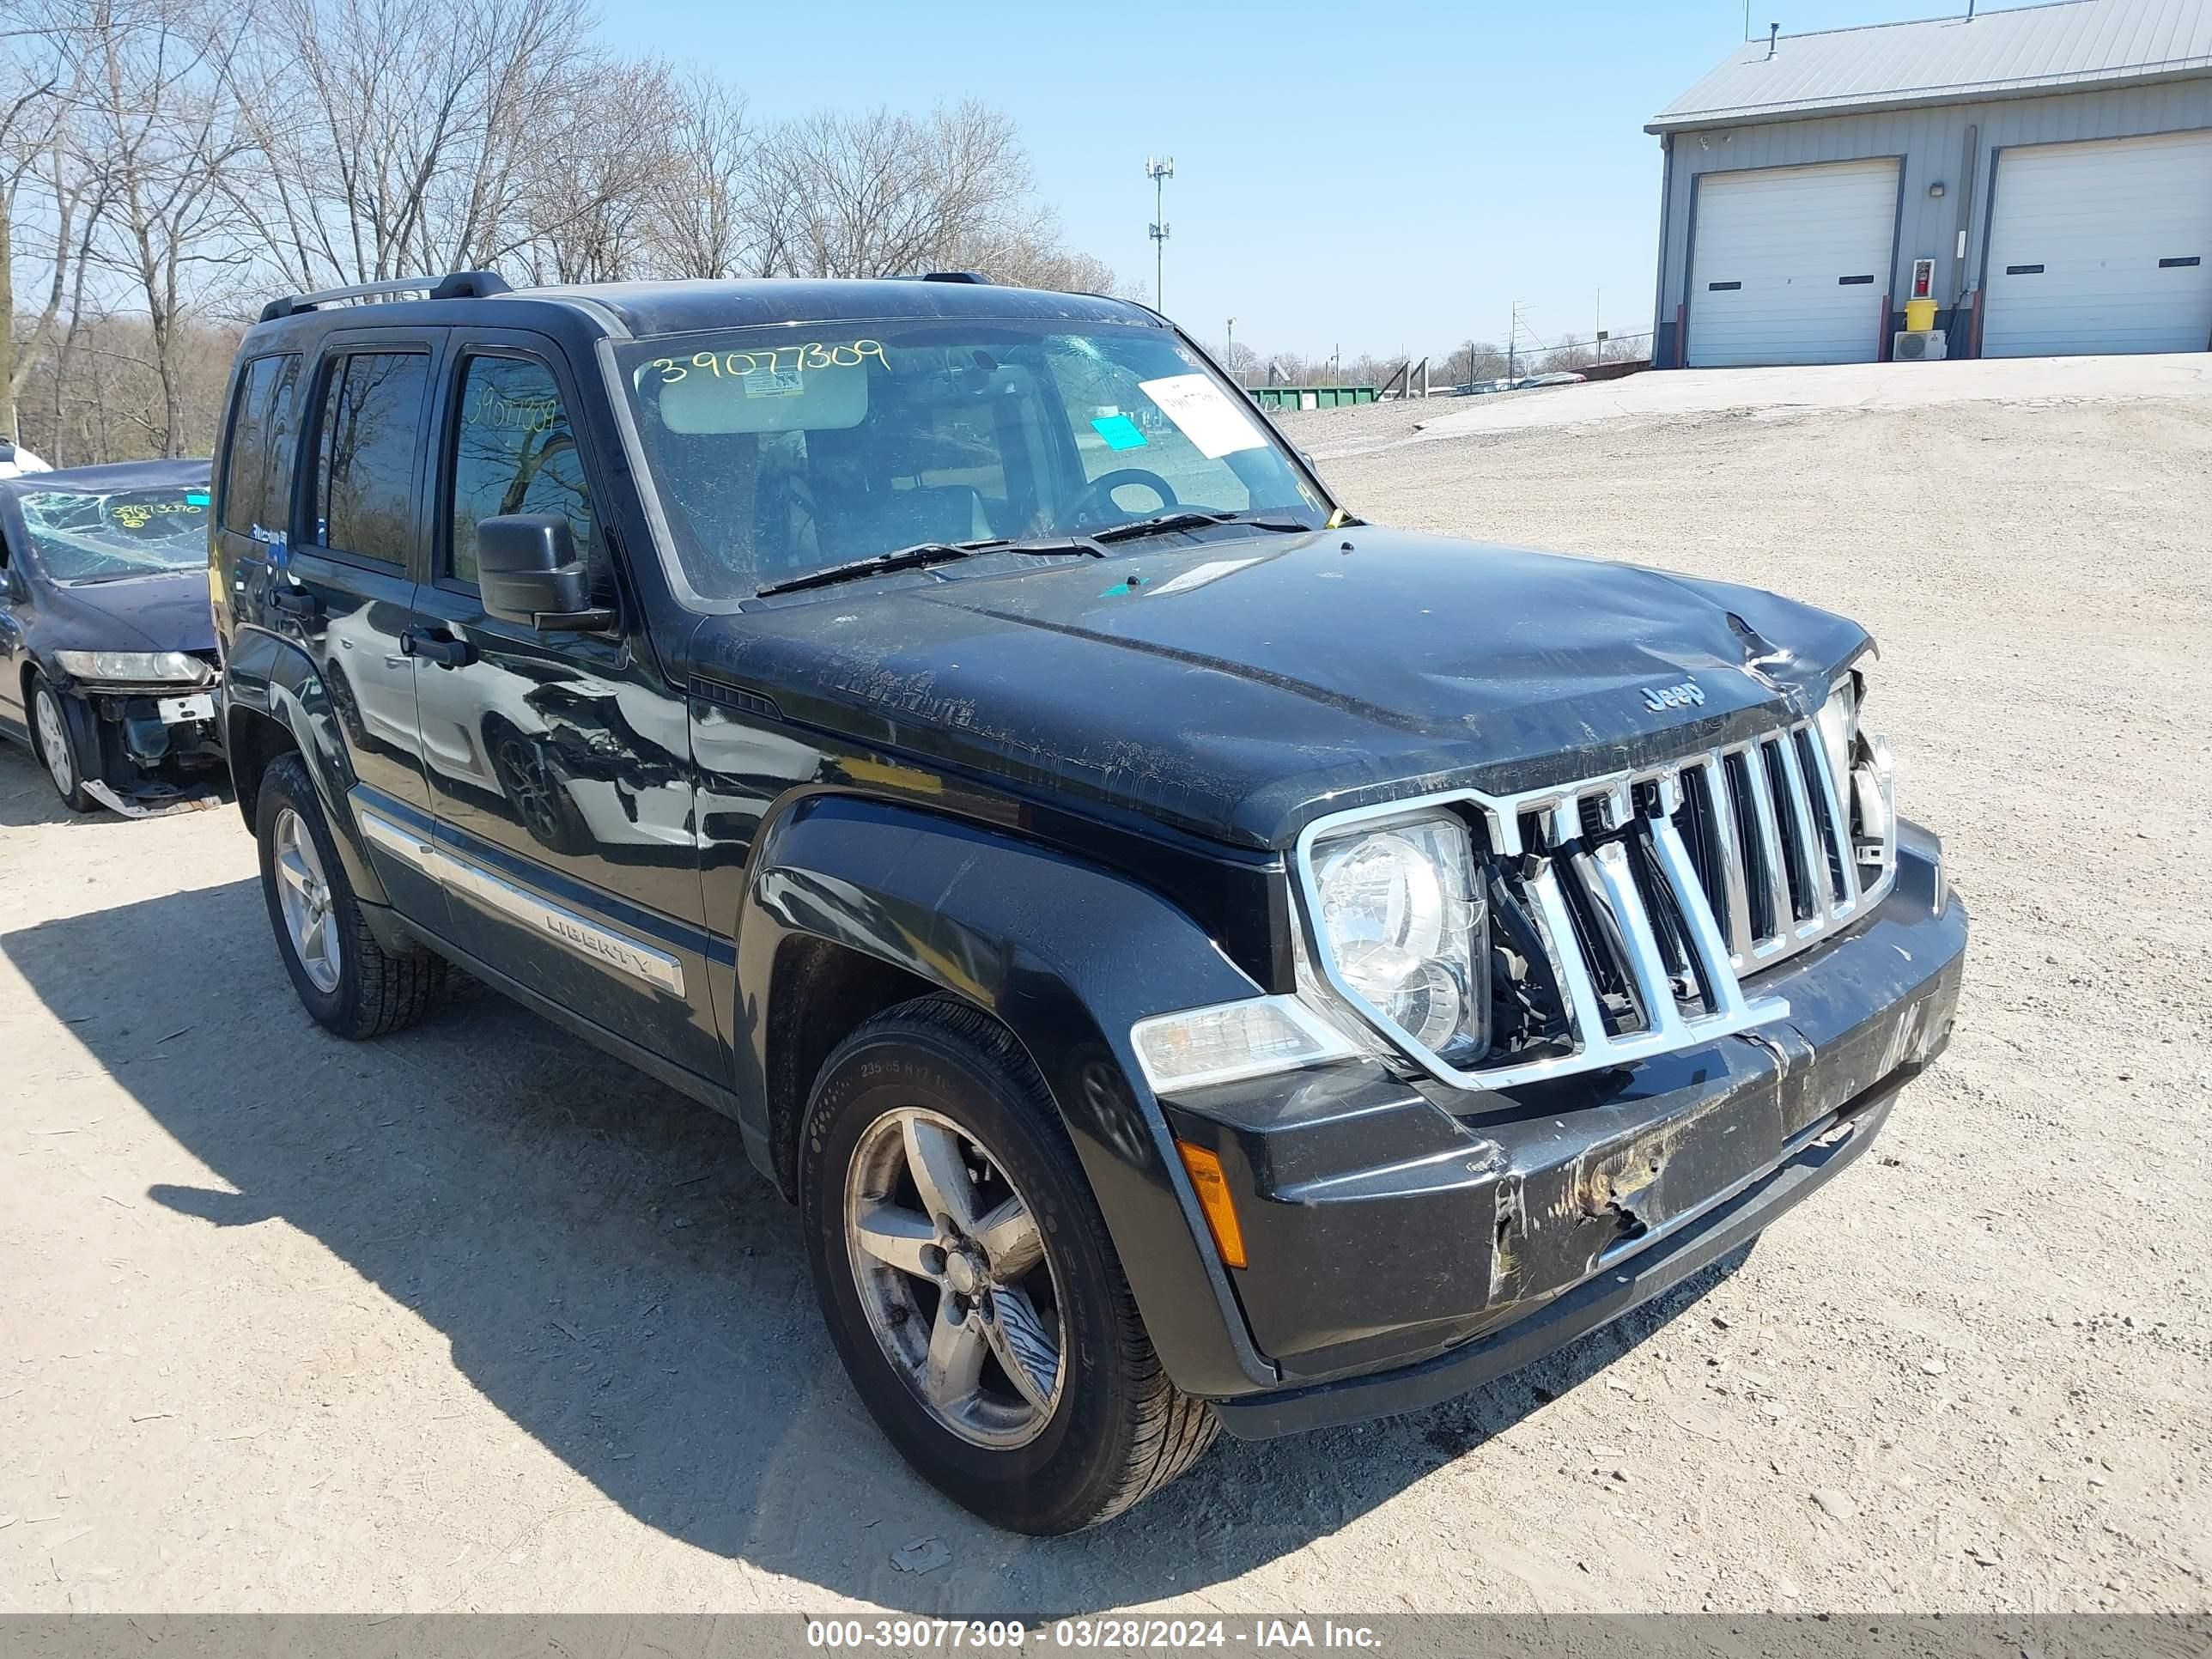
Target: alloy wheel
<point x="954" y="1278"/>
<point x="53" y="742"/>
<point x="304" y="892"/>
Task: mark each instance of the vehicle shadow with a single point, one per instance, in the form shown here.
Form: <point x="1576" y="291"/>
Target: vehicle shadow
<point x="27" y="796"/>
<point x="26" y="793"/>
<point x="611" y="1274"/>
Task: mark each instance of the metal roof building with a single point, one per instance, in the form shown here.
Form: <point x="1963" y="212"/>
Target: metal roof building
<point x="2040" y="178"/>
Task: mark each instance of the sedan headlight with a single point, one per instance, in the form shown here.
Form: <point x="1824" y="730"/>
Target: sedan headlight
<point x="1404" y="928"/>
<point x="135" y="667"/>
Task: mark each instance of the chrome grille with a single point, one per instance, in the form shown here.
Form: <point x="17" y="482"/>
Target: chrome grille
<point x="1659" y="892"/>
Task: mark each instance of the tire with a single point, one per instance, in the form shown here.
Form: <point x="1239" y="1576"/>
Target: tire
<point x="55" y="740"/>
<point x="354" y="987"/>
<point x="1113" y="1429"/>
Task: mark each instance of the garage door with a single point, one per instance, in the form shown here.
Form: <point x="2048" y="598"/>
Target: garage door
<point x="1791" y="265"/>
<point x="2104" y="246"/>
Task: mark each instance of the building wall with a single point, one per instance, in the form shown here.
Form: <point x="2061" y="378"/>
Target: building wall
<point x="1933" y="143"/>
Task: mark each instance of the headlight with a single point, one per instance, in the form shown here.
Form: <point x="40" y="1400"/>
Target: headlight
<point x="1860" y="766"/>
<point x="1839" y="725"/>
<point x="1405" y="927"/>
<point x="134" y="667"/>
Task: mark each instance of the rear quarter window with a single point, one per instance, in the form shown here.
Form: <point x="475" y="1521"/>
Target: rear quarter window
<point x="257" y="477"/>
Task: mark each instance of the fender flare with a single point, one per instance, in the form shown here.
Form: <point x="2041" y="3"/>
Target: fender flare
<point x="268" y="676"/>
<point x="1068" y="955"/>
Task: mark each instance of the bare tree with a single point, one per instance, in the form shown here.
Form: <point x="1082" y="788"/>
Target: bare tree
<point x="591" y="208"/>
<point x="393" y="138"/>
<point x="163" y="163"/>
<point x="1474" y="361"/>
<point x="41" y="180"/>
<point x="885" y="193"/>
<point x="710" y="220"/>
<point x="1031" y="253"/>
<point x="157" y="129"/>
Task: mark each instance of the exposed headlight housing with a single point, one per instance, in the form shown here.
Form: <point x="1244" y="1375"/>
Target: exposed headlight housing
<point x="1860" y="765"/>
<point x="135" y="667"/>
<point x="1402" y="927"/>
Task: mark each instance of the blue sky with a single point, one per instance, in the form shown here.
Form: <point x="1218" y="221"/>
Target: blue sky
<point x="1381" y="176"/>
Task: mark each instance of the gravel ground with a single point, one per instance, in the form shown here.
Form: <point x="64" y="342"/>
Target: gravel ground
<point x="473" y="1318"/>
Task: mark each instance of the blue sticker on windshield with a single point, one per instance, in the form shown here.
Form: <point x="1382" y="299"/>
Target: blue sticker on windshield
<point x="1119" y="431"/>
<point x="196" y="500"/>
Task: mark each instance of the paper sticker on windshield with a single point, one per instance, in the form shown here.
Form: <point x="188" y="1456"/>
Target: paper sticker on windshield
<point x="1211" y="571"/>
<point x="1119" y="432"/>
<point x="1206" y="415"/>
<point x="774" y="383"/>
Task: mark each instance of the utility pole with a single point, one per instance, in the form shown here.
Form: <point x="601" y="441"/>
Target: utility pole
<point x="1512" y="344"/>
<point x="1228" y="352"/>
<point x="1159" y="171"/>
<point x="1597" y="333"/>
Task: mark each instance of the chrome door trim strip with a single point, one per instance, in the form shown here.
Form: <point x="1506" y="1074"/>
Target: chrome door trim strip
<point x="582" y="935"/>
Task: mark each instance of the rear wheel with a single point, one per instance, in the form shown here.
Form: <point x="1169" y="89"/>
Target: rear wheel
<point x="347" y="980"/>
<point x="57" y="746"/>
<point x="969" y="1284"/>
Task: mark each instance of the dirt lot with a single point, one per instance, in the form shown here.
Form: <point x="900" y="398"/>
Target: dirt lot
<point x="475" y="1319"/>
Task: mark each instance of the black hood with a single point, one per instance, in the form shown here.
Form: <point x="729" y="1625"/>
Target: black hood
<point x="167" y="611"/>
<point x="1244" y="687"/>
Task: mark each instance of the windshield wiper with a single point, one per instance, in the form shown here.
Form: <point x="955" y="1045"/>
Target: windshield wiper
<point x="1192" y="518"/>
<point x="928" y="553"/>
<point x="899" y="558"/>
<point x="122" y="575"/>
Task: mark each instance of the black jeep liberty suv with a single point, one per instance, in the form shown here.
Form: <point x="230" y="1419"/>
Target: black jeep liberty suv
<point x="1193" y="958"/>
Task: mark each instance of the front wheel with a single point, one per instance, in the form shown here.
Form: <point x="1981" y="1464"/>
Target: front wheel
<point x="57" y="746"/>
<point x="969" y="1284"/>
<point x="345" y="978"/>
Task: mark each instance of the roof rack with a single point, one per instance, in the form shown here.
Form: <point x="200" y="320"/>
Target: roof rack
<point x="454" y="285"/>
<point x="954" y="277"/>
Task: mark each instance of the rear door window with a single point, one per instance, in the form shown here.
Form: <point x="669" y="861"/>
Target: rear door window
<point x="365" y="448"/>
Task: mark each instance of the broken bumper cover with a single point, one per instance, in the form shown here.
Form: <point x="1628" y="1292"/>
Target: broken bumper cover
<point x="1409" y="1242"/>
<point x="147" y="751"/>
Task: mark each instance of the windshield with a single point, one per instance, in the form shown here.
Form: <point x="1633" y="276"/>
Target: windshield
<point x="129" y="533"/>
<point x="779" y="451"/>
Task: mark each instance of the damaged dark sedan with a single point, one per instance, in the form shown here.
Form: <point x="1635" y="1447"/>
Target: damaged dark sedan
<point x="1193" y="959"/>
<point x="108" y="657"/>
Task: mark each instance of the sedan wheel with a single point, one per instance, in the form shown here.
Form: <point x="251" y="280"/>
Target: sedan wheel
<point x="951" y="1271"/>
<point x="50" y="724"/>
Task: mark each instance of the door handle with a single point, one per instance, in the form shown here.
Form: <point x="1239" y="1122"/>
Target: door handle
<point x="294" y="603"/>
<point x="437" y="645"/>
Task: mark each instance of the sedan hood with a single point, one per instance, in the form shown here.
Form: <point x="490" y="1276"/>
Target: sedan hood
<point x="1243" y="687"/>
<point x="164" y="612"/>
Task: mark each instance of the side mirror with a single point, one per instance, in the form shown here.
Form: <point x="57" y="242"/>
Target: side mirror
<point x="529" y="572"/>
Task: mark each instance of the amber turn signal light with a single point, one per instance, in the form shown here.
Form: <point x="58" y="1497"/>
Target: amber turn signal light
<point x="1212" y="1188"/>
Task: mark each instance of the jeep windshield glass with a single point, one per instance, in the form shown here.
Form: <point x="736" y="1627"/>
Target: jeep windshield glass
<point x="131" y="532"/>
<point x="781" y="451"/>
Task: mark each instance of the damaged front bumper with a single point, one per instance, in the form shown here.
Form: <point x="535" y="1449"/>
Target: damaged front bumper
<point x="147" y="752"/>
<point x="1408" y="1241"/>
